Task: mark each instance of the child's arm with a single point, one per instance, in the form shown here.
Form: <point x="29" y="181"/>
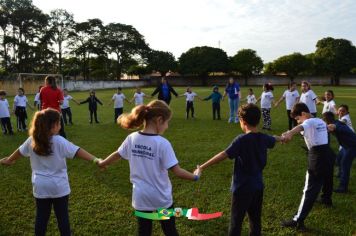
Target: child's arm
<point x="289" y="134"/>
<point x="32" y="108"/>
<point x="98" y="101"/>
<point x="85" y="101"/>
<point x="331" y="127"/>
<point x="184" y="174"/>
<point x="78" y="103"/>
<point x="11" y="159"/>
<point x="128" y="101"/>
<point x="82" y="154"/>
<point x="115" y="156"/>
<point x="279" y="138"/>
<point x="216" y="159"/>
<point x="207" y="98"/>
<point x="279" y="101"/>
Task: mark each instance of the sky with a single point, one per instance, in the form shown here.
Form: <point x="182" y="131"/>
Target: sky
<point x="272" y="28"/>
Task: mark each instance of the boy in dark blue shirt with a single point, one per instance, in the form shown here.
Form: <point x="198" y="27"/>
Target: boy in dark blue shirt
<point x="249" y="152"/>
<point x="347" y="140"/>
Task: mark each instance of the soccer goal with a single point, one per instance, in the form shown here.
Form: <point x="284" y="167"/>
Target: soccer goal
<point x="31" y="81"/>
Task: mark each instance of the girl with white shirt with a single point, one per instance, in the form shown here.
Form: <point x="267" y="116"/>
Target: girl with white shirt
<point x="308" y="97"/>
<point x="266" y="105"/>
<point x="251" y="97"/>
<point x="118" y="100"/>
<point x="291" y="96"/>
<point x="150" y="158"/>
<point x="65" y="107"/>
<point x="47" y="152"/>
<point x="138" y="97"/>
<point x="20" y="103"/>
<point x="329" y="103"/>
<point x="190" y="95"/>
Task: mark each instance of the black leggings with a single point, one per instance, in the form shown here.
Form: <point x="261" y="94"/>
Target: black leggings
<point x="266" y="114"/>
<point x="67" y="112"/>
<point x="190" y="107"/>
<point x="291" y="121"/>
<point x="21" y="116"/>
<point x="145" y="226"/>
<point x="93" y="112"/>
<point x="6" y="125"/>
<point x="43" y="212"/>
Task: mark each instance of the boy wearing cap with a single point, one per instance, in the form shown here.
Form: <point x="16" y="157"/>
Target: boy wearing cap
<point x="215" y="98"/>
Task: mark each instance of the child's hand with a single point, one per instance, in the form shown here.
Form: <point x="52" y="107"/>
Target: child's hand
<point x="100" y="164"/>
<point x="5" y="161"/>
<point x="198" y="171"/>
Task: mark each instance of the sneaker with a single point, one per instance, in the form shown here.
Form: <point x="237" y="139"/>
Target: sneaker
<point x="298" y="225"/>
<point x="229" y="121"/>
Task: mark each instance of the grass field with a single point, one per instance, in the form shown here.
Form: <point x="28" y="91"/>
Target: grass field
<point x="100" y="202"/>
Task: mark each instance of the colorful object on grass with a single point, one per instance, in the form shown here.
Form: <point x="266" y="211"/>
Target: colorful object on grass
<point x="165" y="214"/>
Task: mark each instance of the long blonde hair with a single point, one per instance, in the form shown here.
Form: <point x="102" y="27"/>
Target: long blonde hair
<point x="142" y="114"/>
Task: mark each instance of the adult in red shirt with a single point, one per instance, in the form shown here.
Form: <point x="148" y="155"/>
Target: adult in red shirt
<point x="52" y="97"/>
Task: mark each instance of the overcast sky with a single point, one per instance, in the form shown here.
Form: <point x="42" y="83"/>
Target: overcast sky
<point x="271" y="27"/>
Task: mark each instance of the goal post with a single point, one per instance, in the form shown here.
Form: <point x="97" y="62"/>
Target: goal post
<point x="31" y="81"/>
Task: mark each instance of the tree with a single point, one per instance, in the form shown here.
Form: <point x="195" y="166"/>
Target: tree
<point x="61" y="23"/>
<point x="125" y="42"/>
<point x="85" y="39"/>
<point x="203" y="60"/>
<point x="268" y="69"/>
<point x="292" y="65"/>
<point x="161" y="61"/>
<point x="247" y="63"/>
<point x="335" y="57"/>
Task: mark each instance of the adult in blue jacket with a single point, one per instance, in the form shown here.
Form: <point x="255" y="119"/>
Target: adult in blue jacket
<point x="164" y="91"/>
<point x="233" y="91"/>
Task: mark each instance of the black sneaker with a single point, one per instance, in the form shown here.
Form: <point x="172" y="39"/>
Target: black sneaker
<point x="298" y="225"/>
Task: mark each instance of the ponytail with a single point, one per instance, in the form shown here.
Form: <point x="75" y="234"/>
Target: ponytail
<point x="142" y="114"/>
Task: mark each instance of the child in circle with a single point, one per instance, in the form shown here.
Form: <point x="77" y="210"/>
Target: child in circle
<point x="65" y="107"/>
<point x="308" y="97"/>
<point x="291" y="96"/>
<point x="20" y="104"/>
<point x="118" y="100"/>
<point x="251" y="97"/>
<point x="150" y="157"/>
<point x="329" y="103"/>
<point x="138" y="97"/>
<point x="266" y="105"/>
<point x="249" y="152"/>
<point x="92" y="101"/>
<point x="215" y="99"/>
<point x="190" y="95"/>
<point x="6" y="126"/>
<point x="47" y="152"/>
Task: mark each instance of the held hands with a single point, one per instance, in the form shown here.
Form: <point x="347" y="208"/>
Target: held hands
<point x="197" y="171"/>
<point x="5" y="161"/>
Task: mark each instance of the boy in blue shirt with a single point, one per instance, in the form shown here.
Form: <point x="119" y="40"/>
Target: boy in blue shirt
<point x="249" y="152"/>
<point x="347" y="140"/>
<point x="215" y="98"/>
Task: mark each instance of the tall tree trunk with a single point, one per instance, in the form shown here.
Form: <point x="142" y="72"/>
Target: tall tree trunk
<point x="246" y="80"/>
<point x="118" y="67"/>
<point x="60" y="57"/>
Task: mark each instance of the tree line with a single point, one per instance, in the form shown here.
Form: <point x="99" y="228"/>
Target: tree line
<point x="34" y="42"/>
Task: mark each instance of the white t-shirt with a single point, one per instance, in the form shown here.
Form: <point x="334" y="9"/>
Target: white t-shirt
<point x="190" y="96"/>
<point x="4" y="108"/>
<point x="346" y="118"/>
<point x="309" y="99"/>
<point x="315" y="132"/>
<point x="49" y="173"/>
<point x="139" y="98"/>
<point x="329" y="106"/>
<point x="20" y="101"/>
<point x="266" y="99"/>
<point x="291" y="98"/>
<point x="37" y="98"/>
<point x="118" y="100"/>
<point x="251" y="99"/>
<point x="150" y="157"/>
<point x="66" y="100"/>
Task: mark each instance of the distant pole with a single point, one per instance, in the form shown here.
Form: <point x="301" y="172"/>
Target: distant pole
<point x="219" y="44"/>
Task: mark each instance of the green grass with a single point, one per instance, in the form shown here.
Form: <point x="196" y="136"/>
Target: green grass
<point x="100" y="202"/>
